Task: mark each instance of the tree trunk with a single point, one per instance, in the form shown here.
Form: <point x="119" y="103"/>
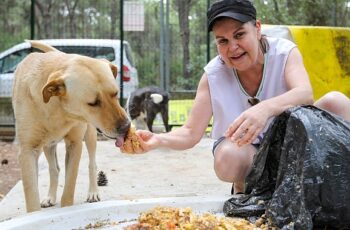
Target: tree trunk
<point x="278" y="12"/>
<point x="113" y="15"/>
<point x="183" y="9"/>
<point x="315" y="16"/>
<point x="44" y="25"/>
<point x="71" y="6"/>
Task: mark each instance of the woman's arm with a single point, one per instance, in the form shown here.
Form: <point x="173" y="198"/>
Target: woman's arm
<point x="246" y="128"/>
<point x="298" y="83"/>
<point x="187" y="135"/>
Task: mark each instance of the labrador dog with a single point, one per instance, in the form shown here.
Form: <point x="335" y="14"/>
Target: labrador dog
<point x="145" y="103"/>
<point x="59" y="96"/>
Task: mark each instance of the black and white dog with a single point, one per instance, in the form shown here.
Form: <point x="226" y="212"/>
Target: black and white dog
<point x="145" y="103"/>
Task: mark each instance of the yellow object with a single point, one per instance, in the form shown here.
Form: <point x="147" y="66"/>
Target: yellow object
<point x="326" y="54"/>
<point x="179" y="111"/>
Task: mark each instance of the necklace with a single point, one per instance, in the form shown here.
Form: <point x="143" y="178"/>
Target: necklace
<point x="255" y="99"/>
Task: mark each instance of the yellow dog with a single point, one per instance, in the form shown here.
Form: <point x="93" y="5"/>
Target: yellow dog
<point x="63" y="96"/>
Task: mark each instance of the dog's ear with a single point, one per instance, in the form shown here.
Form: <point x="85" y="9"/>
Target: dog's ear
<point x="55" y="86"/>
<point x="114" y="70"/>
<point x="113" y="67"/>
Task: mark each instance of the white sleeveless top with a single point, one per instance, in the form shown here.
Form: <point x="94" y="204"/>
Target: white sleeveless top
<point x="229" y="99"/>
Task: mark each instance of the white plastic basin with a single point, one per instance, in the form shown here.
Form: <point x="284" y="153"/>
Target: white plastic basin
<point x="114" y="214"/>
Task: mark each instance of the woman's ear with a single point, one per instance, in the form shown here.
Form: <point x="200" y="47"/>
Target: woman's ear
<point x="258" y="29"/>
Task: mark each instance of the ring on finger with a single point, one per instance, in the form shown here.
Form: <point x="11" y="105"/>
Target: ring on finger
<point x="243" y="133"/>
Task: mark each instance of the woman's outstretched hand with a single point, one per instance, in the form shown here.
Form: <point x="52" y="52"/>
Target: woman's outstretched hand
<point x="139" y="141"/>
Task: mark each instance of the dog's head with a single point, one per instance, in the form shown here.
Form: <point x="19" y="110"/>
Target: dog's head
<point x="86" y="89"/>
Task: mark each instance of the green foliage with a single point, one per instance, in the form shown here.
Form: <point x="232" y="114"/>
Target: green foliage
<point x="12" y="15"/>
<point x="148" y="69"/>
<point x="304" y="12"/>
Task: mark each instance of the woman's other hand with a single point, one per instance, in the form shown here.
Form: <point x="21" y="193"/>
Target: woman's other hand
<point x="246" y="128"/>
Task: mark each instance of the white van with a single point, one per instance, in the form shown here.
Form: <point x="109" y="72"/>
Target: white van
<point x="96" y="48"/>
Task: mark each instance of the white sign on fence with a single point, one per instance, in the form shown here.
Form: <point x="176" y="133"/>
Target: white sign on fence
<point x="134" y="16"/>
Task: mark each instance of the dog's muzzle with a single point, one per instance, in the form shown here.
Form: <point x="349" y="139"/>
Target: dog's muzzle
<point x="121" y="132"/>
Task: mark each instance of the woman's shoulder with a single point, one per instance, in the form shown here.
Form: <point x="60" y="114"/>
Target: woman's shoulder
<point x="279" y="40"/>
<point x="280" y="45"/>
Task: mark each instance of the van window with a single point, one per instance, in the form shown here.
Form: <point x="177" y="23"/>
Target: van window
<point x="91" y="51"/>
<point x="9" y="63"/>
<point x="129" y="54"/>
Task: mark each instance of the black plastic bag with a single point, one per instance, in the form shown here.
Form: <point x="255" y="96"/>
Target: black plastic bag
<point x="301" y="174"/>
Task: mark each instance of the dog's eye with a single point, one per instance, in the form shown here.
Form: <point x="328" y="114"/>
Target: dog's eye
<point x="97" y="102"/>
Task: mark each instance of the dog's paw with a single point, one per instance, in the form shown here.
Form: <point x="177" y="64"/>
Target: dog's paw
<point x="93" y="197"/>
<point x="48" y="202"/>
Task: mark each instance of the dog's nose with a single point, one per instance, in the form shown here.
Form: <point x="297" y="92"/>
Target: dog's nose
<point x="124" y="127"/>
<point x="122" y="130"/>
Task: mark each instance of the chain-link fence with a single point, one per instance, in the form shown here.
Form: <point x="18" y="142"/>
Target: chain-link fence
<point x="163" y="53"/>
<point x="157" y="43"/>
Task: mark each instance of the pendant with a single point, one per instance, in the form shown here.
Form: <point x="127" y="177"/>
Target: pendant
<point x="253" y="101"/>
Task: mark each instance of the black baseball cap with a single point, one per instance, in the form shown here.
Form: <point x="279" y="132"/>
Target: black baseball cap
<point x="240" y="10"/>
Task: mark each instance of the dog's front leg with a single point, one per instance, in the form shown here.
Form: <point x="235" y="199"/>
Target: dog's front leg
<point x="73" y="155"/>
<point x="54" y="169"/>
<point x="28" y="160"/>
<point x="90" y="142"/>
<point x="150" y="118"/>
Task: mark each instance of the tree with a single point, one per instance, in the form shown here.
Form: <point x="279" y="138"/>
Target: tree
<point x="43" y="23"/>
<point x="113" y="16"/>
<point x="183" y="8"/>
<point x="71" y="7"/>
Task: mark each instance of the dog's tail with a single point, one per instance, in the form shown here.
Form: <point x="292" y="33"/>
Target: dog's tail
<point x="41" y="46"/>
<point x="127" y="109"/>
<point x="156" y="98"/>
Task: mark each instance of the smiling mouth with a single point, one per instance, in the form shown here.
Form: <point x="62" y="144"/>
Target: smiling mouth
<point x="238" y="56"/>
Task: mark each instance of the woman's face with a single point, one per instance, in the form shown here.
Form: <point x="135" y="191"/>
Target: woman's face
<point x="238" y="43"/>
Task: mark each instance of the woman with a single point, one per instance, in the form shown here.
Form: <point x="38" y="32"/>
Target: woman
<point x="252" y="80"/>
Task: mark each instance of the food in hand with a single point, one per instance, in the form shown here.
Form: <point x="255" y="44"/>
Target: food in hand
<point x="131" y="143"/>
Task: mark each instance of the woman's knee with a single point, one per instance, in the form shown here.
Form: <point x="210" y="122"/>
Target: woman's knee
<point x="328" y="100"/>
<point x="335" y="102"/>
<point x="223" y="162"/>
<point x="232" y="162"/>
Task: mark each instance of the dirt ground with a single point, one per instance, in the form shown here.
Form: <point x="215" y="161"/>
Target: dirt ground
<point x="10" y="172"/>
